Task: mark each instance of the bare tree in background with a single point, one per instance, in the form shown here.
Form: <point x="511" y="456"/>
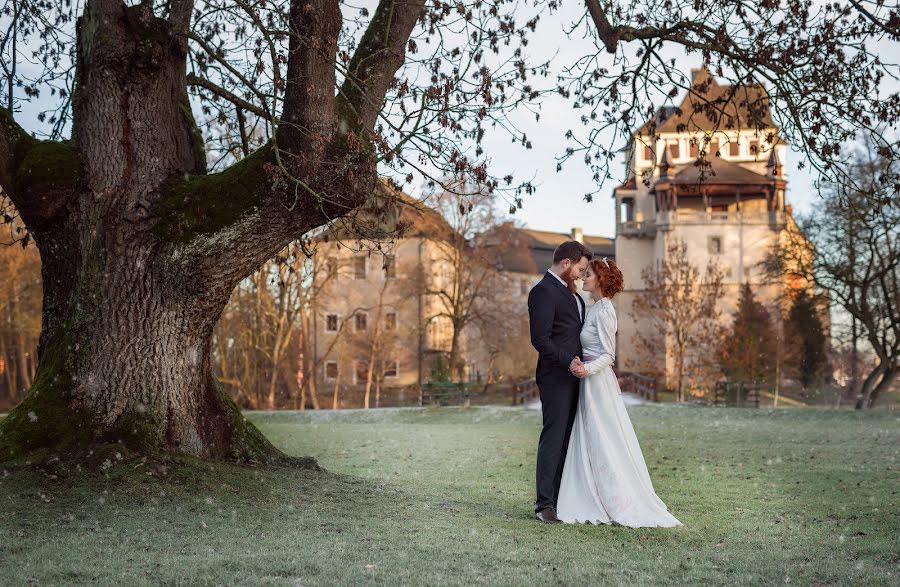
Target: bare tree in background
<point x="679" y="314"/>
<point x="465" y="267"/>
<point x="259" y="342"/>
<point x="856" y="260"/>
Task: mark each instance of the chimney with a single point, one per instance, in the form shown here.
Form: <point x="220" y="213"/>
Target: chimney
<point x="578" y="234"/>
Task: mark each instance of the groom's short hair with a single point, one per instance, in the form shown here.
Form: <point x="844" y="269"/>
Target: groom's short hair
<point x="572" y="250"/>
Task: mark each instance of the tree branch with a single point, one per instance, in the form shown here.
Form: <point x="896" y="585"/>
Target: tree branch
<point x="381" y="52"/>
<point x="193" y="80"/>
<point x="38" y="176"/>
<point x="308" y="113"/>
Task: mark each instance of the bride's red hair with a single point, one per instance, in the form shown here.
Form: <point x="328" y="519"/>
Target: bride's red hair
<point x="608" y="275"/>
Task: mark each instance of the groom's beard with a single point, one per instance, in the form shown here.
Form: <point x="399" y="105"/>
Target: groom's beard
<point x="569" y="278"/>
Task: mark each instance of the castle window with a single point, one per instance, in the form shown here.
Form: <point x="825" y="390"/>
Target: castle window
<point x="359" y="267"/>
<point x="713" y="149"/>
<point x="331" y="323"/>
<point x="392" y="369"/>
<point x="694" y="149"/>
<point x="715" y="245"/>
<point x="331" y="370"/>
<point x="734" y="148"/>
<point x="754" y="148"/>
<point x="648" y="153"/>
<point x="674" y="150"/>
<point x="390" y="267"/>
<point x="331" y="267"/>
<point x="626" y="210"/>
<point x="390" y="321"/>
<point x="362" y="320"/>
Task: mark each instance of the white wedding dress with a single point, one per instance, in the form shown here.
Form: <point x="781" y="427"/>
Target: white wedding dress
<point x="605" y="478"/>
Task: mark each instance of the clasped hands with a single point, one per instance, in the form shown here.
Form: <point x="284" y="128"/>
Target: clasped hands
<point x="577" y="368"/>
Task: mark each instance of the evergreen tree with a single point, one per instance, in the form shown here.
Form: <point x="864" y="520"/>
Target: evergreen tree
<point x="749" y="351"/>
<point x="807" y="335"/>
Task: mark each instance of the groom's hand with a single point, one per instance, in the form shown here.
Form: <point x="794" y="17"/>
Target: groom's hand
<point x="577" y="368"/>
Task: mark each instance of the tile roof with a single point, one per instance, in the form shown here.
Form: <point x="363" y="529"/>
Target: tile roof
<point x="710" y="106"/>
<point x="718" y="172"/>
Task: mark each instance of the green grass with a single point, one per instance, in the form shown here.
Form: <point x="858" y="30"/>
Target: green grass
<point x="443" y="496"/>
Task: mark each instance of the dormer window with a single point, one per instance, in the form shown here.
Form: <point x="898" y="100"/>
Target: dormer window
<point x="674" y="151"/>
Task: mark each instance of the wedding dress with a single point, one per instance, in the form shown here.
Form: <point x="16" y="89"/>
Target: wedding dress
<point x="605" y="478"/>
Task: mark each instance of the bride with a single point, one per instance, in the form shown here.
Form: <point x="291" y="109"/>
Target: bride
<point x="605" y="479"/>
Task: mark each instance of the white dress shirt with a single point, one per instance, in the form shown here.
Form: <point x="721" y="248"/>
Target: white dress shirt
<point x="577" y="300"/>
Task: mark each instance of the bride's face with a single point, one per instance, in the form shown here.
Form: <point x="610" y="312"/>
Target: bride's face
<point x="590" y="280"/>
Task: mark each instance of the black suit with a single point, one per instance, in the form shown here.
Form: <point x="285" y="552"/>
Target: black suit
<point x="555" y="316"/>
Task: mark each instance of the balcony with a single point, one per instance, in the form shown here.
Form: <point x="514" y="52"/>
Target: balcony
<point x="666" y="220"/>
<point x="636" y="228"/>
<point x="775" y="219"/>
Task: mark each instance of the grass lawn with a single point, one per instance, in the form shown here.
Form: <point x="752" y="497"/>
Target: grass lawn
<point x="443" y="496"/>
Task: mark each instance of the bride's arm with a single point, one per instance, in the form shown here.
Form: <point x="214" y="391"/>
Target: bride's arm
<point x="605" y="321"/>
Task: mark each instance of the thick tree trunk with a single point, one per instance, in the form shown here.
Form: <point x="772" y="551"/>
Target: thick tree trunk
<point x="875" y="387"/>
<point x="886" y="381"/>
<point x="133" y="366"/>
<point x="125" y="343"/>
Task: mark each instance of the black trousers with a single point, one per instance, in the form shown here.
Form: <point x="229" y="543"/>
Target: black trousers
<point x="559" y="400"/>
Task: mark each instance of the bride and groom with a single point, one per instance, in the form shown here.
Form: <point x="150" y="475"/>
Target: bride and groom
<point x="589" y="465"/>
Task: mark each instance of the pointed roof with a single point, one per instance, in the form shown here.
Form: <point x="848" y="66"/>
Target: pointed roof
<point x="710" y="106"/>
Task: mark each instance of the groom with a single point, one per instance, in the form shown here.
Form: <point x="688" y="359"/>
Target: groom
<point x="556" y="313"/>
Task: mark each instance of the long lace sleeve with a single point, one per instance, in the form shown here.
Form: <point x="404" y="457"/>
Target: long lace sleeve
<point x="605" y="321"/>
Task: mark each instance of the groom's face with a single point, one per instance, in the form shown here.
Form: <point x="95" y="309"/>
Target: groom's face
<point x="574" y="270"/>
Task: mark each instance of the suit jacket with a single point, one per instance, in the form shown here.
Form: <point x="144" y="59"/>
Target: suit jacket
<point x="554" y="316"/>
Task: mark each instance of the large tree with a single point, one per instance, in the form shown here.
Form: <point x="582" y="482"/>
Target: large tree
<point x="300" y="104"/>
<point x="141" y="247"/>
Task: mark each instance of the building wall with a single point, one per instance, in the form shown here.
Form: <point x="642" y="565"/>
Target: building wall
<point x="347" y="294"/>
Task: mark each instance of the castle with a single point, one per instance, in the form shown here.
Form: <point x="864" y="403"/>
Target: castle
<point x="709" y="173"/>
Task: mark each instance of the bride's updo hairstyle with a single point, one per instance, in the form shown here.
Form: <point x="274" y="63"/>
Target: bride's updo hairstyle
<point x="609" y="276"/>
